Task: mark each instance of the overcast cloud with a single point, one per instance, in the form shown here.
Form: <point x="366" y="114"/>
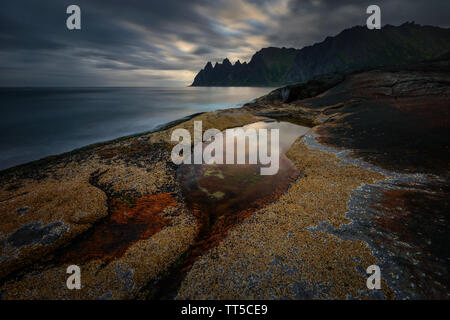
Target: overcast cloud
<point x="165" y="43"/>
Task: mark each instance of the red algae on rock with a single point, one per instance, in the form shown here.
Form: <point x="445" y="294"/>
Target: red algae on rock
<point x="223" y="195"/>
<point x="129" y="222"/>
<point x="417" y="221"/>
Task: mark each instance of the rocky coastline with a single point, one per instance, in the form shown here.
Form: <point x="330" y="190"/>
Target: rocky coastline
<point x="373" y="189"/>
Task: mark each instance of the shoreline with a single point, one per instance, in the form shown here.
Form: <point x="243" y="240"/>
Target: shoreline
<point x="94" y="145"/>
<point x="354" y="205"/>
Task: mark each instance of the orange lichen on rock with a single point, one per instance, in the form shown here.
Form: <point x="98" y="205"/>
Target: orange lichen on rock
<point x="145" y="210"/>
<point x="129" y="222"/>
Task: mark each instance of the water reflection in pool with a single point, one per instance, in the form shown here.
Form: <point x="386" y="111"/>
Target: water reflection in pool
<point x="221" y="194"/>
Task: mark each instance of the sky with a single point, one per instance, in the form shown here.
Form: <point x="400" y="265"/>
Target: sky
<point x="166" y="42"/>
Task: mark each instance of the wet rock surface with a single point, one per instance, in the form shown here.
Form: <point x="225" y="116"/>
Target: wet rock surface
<point x="373" y="188"/>
<point x="114" y="209"/>
<point x="395" y="122"/>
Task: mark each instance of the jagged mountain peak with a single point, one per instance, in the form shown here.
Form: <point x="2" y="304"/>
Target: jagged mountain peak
<point x="352" y="49"/>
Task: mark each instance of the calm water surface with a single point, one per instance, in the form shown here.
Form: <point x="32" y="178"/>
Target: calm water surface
<point x="38" y="122"/>
<point x="218" y="192"/>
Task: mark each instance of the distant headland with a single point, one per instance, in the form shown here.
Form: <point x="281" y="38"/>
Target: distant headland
<point x="353" y="49"/>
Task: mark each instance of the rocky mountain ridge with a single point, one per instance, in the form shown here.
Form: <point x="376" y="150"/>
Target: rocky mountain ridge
<point x="353" y="49"/>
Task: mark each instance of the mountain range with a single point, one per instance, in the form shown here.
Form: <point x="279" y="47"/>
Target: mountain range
<point x="356" y="48"/>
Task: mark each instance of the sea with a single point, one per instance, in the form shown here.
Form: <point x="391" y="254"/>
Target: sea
<point x="39" y="122"/>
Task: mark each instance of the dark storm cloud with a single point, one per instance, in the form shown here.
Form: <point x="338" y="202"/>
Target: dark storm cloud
<point x="141" y="42"/>
<point x="202" y="50"/>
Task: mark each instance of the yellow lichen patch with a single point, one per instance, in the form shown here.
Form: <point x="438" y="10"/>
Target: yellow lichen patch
<point x="49" y="208"/>
<point x="39" y="216"/>
<point x="122" y="278"/>
<point x="277" y="254"/>
<point x="220" y="120"/>
<point x="66" y="197"/>
<point x="122" y="178"/>
<point x="52" y="200"/>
